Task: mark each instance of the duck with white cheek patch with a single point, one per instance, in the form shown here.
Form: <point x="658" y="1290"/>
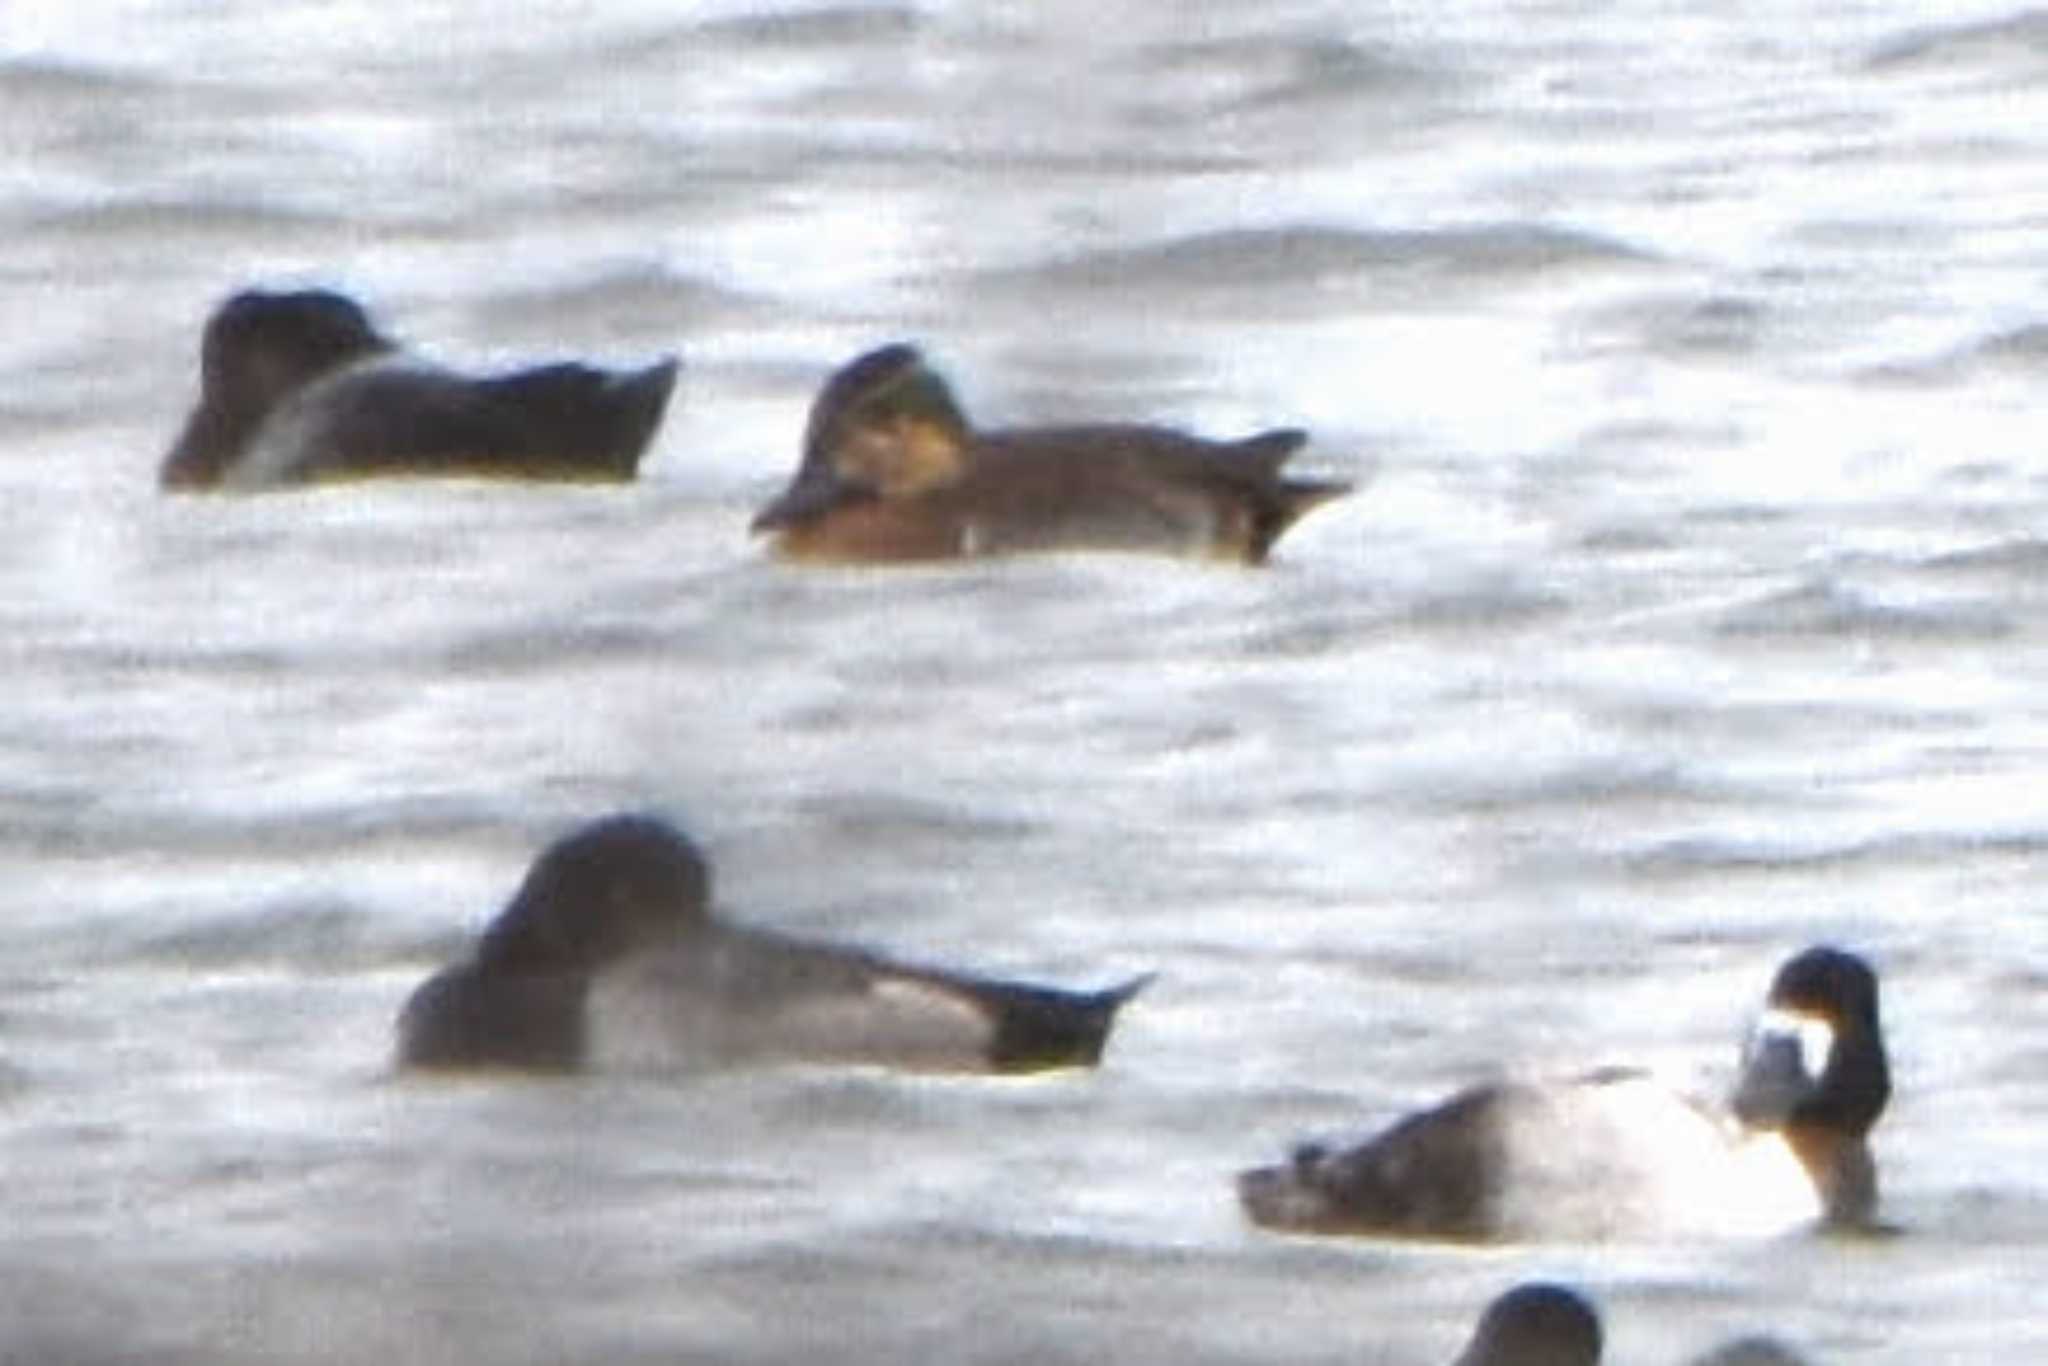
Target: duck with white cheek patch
<point x="1611" y="1155"/>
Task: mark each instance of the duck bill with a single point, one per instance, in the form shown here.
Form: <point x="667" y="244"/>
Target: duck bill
<point x="813" y="494"/>
<point x="209" y="438"/>
<point x="1782" y="1064"/>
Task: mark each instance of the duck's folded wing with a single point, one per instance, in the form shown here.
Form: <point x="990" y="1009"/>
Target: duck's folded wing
<point x="554" y="422"/>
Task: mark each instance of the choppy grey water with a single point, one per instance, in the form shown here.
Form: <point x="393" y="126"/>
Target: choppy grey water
<point x="1692" y="609"/>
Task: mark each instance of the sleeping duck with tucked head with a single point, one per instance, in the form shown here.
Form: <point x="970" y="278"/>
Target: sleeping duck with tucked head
<point x="1611" y="1154"/>
<point x="299" y="387"/>
<point x="608" y="958"/>
<point x="892" y="472"/>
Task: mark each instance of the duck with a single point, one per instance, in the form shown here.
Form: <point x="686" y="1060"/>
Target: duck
<point x="608" y="958"/>
<point x="299" y="387"/>
<point x="1611" y="1154"/>
<point x="1544" y="1323"/>
<point x="892" y="472"/>
<point x="1536" y="1323"/>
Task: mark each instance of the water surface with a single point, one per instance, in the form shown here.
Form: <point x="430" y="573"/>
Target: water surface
<point x="1691" y="610"/>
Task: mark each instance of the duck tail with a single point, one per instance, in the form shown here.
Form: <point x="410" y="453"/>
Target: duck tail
<point x="642" y="397"/>
<point x="582" y="421"/>
<point x="1113" y="998"/>
<point x="1276" y="503"/>
<point x="1040" y="1027"/>
<point x="1290" y="500"/>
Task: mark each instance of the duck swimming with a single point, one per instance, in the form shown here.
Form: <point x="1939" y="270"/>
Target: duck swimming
<point x="1539" y="1323"/>
<point x="608" y="957"/>
<point x="1535" y="1324"/>
<point x="892" y="472"/>
<point x="299" y="387"/>
<point x="1610" y="1154"/>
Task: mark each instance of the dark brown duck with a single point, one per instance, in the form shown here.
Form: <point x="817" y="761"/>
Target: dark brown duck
<point x="299" y="387"/>
<point x="892" y="471"/>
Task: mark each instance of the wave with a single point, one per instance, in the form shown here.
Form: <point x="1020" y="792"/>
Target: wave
<point x="1306" y="253"/>
<point x="2023" y="35"/>
<point x="626" y="299"/>
<point x="1828" y="610"/>
<point x="2022" y="349"/>
<point x="315" y="935"/>
<point x="1272" y="71"/>
<point x="2026" y="555"/>
<point x="1688" y="326"/>
<point x="824" y="26"/>
<point x="1733" y="854"/>
<point x="151" y="218"/>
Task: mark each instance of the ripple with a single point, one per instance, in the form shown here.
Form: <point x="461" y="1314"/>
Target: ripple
<point x="2026" y="555"/>
<point x="1484" y="609"/>
<point x="1583" y="786"/>
<point x="1689" y="326"/>
<point x="1305" y="253"/>
<point x="2022" y="349"/>
<point x="150" y="218"/>
<point x="547" y="643"/>
<point x="1278" y="72"/>
<point x="641" y="298"/>
<point x="2023" y="35"/>
<point x="1728" y="854"/>
<point x="2028" y="343"/>
<point x="1827" y="611"/>
<point x="42" y="77"/>
<point x="825" y="26"/>
<point x="319" y="935"/>
<point x="887" y="821"/>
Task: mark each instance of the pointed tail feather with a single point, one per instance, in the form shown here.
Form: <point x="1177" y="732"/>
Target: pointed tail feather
<point x="644" y="396"/>
<point x="1287" y="504"/>
<point x="1268" y="451"/>
<point x="1041" y="1028"/>
<point x="1112" y="998"/>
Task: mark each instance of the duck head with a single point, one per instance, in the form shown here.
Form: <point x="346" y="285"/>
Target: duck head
<point x="597" y="894"/>
<point x="885" y="426"/>
<point x="259" y="347"/>
<point x="1535" y="1324"/>
<point x="1815" y="1070"/>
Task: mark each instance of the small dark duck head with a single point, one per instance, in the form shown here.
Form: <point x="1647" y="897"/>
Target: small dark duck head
<point x="885" y="426"/>
<point x="1535" y="1324"/>
<point x="590" y="899"/>
<point x="1815" y="1071"/>
<point x="597" y="894"/>
<point x="1817" y="1058"/>
<point x="260" y="346"/>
